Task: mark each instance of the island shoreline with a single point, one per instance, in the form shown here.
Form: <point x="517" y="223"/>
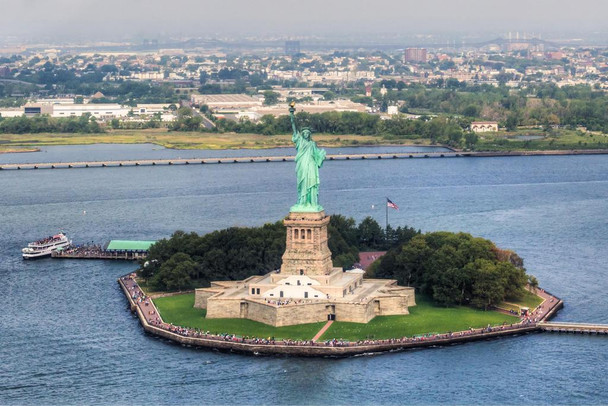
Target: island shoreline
<point x="229" y="343"/>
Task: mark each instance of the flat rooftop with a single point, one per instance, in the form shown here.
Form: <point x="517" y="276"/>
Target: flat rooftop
<point x="127" y="245"/>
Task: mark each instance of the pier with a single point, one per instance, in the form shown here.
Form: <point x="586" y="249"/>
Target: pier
<point x="128" y="256"/>
<point x="284" y="158"/>
<point x="115" y="249"/>
<point x="578" y="328"/>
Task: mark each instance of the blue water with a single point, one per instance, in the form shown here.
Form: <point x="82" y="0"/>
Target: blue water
<point x="68" y="337"/>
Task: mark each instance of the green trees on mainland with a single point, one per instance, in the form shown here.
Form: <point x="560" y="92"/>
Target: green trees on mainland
<point x="456" y="268"/>
<point x="45" y="124"/>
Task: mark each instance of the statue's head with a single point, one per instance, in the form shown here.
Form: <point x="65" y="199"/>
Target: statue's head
<point x="306" y="133"/>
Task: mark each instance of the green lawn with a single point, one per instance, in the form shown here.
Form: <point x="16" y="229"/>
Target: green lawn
<point x="561" y="139"/>
<point x="423" y="318"/>
<point x="179" y="310"/>
<point x="529" y="300"/>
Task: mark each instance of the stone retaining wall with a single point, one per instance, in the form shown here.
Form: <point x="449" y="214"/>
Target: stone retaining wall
<point x="323" y="350"/>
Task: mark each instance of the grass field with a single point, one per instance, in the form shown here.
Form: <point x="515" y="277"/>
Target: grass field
<point x="561" y="139"/>
<point x="187" y="140"/>
<point x="179" y="311"/>
<point x="529" y="300"/>
<point x="423" y="318"/>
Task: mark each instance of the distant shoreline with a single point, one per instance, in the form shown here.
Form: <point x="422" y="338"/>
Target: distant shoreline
<point x="19" y="151"/>
<point x="233" y="148"/>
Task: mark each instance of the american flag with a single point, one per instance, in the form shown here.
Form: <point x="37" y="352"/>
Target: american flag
<point x="390" y="204"/>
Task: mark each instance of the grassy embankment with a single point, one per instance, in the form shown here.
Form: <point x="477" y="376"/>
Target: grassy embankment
<point x="529" y="300"/>
<point x="179" y="311"/>
<point x="423" y="318"/>
<point x="552" y="140"/>
<point x="187" y="140"/>
<point x="502" y="141"/>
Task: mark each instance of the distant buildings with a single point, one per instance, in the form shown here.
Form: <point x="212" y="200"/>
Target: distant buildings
<point x="292" y="47"/>
<point x="484" y="126"/>
<point x="227" y="101"/>
<point x="101" y="111"/>
<point x="415" y="55"/>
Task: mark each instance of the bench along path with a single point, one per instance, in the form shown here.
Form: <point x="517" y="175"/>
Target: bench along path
<point x="153" y="323"/>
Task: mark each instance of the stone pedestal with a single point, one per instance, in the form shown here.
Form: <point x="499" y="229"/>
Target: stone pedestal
<point x="307" y="252"/>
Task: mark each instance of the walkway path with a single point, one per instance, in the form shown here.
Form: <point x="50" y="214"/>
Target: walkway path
<point x="323" y="330"/>
<point x="154" y="324"/>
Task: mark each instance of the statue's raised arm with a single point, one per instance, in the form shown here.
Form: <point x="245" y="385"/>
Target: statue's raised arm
<point x="292" y="109"/>
<point x="309" y="159"/>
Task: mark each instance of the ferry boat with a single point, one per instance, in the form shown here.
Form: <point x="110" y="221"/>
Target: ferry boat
<point x="44" y="247"/>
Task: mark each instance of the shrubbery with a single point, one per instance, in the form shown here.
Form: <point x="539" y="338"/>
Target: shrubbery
<point x="456" y="268"/>
<point x="187" y="260"/>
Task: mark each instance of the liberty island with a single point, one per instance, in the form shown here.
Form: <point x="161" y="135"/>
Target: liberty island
<point x="37" y="358"/>
<point x="308" y="289"/>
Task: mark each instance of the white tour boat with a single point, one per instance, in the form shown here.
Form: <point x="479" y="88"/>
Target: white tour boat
<point x="44" y="248"/>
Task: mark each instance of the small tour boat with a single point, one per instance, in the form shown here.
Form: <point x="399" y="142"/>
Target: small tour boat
<point x="44" y="247"/>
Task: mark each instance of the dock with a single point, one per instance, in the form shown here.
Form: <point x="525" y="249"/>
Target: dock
<point x="284" y="158"/>
<point x="115" y="249"/>
<point x="577" y="328"/>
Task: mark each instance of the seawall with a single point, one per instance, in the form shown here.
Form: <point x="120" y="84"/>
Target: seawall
<point x="186" y="337"/>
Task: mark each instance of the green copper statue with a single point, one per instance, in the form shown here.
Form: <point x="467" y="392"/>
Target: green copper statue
<point x="309" y="159"/>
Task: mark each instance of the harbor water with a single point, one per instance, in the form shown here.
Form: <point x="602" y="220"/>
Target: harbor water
<point x="68" y="337"/>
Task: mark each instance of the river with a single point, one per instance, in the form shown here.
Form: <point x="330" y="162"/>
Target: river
<point x="67" y="335"/>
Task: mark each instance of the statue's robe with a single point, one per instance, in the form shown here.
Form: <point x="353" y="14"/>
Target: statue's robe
<point x="309" y="159"/>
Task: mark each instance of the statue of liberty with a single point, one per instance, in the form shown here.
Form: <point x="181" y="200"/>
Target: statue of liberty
<point x="309" y="159"/>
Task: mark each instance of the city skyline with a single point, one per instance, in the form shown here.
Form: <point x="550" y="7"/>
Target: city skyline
<point x="72" y="20"/>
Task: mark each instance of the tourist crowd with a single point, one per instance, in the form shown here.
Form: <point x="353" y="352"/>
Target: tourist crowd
<point x="48" y="239"/>
<point x="151" y="315"/>
<point x="85" y="250"/>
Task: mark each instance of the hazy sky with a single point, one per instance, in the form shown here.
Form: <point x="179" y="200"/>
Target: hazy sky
<point x="111" y="19"/>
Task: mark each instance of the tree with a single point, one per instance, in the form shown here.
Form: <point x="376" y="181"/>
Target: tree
<point x="533" y="282"/>
<point x="471" y="139"/>
<point x="471" y="111"/>
<point x="512" y="121"/>
<point x="370" y="234"/>
<point x="175" y="273"/>
<point x="488" y="286"/>
<point x="329" y="95"/>
<point x="455" y="268"/>
<point x="270" y="97"/>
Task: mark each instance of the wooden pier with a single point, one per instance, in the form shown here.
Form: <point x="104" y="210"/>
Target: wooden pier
<point x="579" y="328"/>
<point x="115" y="249"/>
<point x="128" y="256"/>
<point x="282" y="158"/>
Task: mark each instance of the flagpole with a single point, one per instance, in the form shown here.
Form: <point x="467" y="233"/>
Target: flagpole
<point x="386" y="207"/>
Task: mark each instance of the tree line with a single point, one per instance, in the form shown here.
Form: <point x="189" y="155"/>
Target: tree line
<point x="538" y="104"/>
<point x="45" y="124"/>
<point x="442" y="130"/>
<point x="456" y="269"/>
<point x="187" y="260"/>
